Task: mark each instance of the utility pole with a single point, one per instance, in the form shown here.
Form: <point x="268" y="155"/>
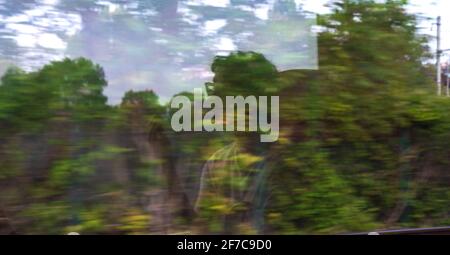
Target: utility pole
<point x="438" y="57"/>
<point x="448" y="77"/>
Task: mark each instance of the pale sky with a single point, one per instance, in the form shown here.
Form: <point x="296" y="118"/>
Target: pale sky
<point x="432" y="9"/>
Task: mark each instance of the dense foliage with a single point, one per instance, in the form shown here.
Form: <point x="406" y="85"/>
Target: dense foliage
<point x="364" y="145"/>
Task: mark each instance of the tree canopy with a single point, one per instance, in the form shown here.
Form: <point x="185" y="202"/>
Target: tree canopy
<point x="364" y="143"/>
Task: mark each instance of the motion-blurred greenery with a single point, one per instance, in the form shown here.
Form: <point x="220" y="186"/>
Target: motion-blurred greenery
<point x="364" y="144"/>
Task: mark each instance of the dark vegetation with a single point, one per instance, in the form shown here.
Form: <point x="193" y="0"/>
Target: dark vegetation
<point x="364" y="144"/>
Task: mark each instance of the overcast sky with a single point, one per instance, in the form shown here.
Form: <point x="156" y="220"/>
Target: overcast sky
<point x="433" y="9"/>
